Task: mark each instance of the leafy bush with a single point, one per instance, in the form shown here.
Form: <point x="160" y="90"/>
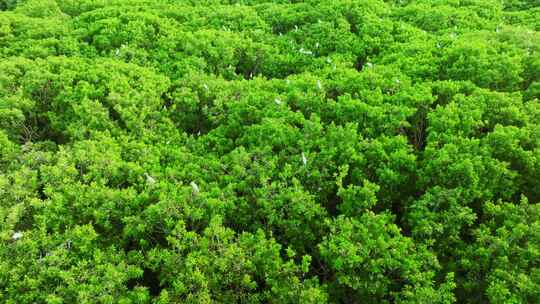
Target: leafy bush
<point x="269" y="151"/>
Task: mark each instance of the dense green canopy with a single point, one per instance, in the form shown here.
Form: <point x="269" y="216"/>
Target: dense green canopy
<point x="330" y="151"/>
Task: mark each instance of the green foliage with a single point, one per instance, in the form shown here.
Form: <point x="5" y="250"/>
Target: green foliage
<point x="505" y="253"/>
<point x="269" y="151"/>
<point x="374" y="263"/>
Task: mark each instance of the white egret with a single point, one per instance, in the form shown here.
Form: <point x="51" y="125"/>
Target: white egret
<point x="194" y="188"/>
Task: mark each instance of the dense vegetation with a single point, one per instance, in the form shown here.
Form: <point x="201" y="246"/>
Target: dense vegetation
<point x="339" y="151"/>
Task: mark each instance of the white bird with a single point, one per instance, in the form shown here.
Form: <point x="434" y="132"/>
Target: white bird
<point x="149" y="179"/>
<point x="277" y="100"/>
<point x="328" y="60"/>
<point x="305" y="52"/>
<point x="205" y="86"/>
<point x="194" y="188"/>
<point x="319" y="85"/>
<point x="317" y="45"/>
<point x="17" y="235"/>
<point x="304" y="159"/>
<point x="117" y="52"/>
<point x="369" y="65"/>
<point x="296" y="28"/>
